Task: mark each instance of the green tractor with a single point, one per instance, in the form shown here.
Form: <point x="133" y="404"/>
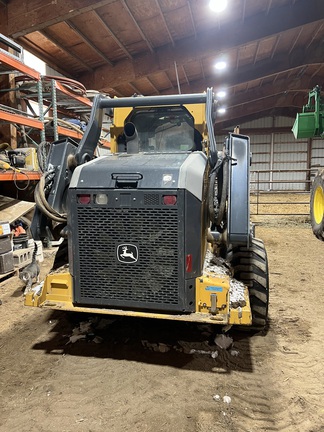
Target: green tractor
<point x="309" y="124"/>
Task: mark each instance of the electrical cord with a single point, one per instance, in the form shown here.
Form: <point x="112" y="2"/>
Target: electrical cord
<point x="15" y="180"/>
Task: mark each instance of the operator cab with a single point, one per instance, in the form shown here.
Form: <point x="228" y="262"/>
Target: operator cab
<point x="161" y="130"/>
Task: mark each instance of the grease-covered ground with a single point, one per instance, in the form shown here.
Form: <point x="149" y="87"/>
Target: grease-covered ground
<point x="275" y="382"/>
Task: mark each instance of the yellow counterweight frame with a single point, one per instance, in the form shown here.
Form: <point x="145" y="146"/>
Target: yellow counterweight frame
<point x="212" y="301"/>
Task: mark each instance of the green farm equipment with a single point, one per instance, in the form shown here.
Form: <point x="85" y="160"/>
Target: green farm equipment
<point x="310" y="124"/>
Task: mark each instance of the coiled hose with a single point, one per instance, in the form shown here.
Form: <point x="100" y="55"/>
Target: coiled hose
<point x="42" y="203"/>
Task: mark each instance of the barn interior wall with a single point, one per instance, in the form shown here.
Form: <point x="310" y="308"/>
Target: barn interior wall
<point x="279" y="161"/>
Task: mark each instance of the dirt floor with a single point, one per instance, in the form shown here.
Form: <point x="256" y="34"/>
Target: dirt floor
<point x="142" y="375"/>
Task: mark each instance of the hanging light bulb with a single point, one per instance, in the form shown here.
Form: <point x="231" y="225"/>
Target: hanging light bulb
<point x="220" y="65"/>
<point x="218" y="5"/>
<point x="221" y="94"/>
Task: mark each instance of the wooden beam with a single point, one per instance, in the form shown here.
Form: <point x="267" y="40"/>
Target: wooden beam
<point x="247" y="110"/>
<point x="88" y="42"/>
<point x="65" y="49"/>
<point x="33" y="15"/>
<point x="221" y="124"/>
<point x="192" y="18"/>
<point x="262" y="69"/>
<point x="4" y="20"/>
<point x="136" y="25"/>
<point x="282" y="86"/>
<point x="112" y="34"/>
<point x="38" y="52"/>
<point x="164" y="21"/>
<point x="190" y="49"/>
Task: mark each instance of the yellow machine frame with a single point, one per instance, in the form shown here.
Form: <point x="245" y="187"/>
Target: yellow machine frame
<point x="212" y="301"/>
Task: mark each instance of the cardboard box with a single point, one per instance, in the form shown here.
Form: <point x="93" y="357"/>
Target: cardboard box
<point x="4" y="229"/>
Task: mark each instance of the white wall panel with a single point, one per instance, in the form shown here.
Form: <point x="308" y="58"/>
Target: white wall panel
<point x="288" y="155"/>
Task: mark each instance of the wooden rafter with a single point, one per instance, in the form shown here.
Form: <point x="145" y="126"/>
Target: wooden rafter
<point x="137" y="25"/>
<point x="37" y="18"/>
<point x="65" y="49"/>
<point x="88" y="42"/>
<point x="192" y="18"/>
<point x="164" y="21"/>
<point x="113" y="35"/>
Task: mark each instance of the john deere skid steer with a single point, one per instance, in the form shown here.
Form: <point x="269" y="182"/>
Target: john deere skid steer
<point x="159" y="227"/>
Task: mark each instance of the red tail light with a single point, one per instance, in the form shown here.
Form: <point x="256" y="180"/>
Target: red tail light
<point x="84" y="198"/>
<point x="189" y="263"/>
<point x="169" y="199"/>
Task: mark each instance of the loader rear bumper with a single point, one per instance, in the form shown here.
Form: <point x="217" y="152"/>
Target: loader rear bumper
<point x="56" y="293"/>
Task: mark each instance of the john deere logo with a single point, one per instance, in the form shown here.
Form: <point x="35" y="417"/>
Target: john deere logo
<point x="127" y="253"/>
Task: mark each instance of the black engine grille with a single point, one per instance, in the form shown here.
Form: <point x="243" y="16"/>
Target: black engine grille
<point x="152" y="282"/>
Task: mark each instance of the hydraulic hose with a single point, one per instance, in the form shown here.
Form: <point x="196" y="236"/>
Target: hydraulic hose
<point x="43" y="205"/>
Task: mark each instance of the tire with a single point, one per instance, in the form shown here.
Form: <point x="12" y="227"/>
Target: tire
<point x="317" y="206"/>
<point x="250" y="266"/>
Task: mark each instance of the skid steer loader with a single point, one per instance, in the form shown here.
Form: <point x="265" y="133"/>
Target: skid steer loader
<point x="159" y="227"/>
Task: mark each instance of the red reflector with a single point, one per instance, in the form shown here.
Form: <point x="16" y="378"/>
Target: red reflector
<point x="189" y="263"/>
<point x="84" y="199"/>
<point x="169" y="199"/>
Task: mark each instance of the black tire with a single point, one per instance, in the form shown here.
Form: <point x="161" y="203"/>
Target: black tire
<point x="250" y="266"/>
<point x="317" y="206"/>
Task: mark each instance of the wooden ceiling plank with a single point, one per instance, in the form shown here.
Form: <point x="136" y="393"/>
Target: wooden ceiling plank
<point x="185" y="74"/>
<point x="65" y="49"/>
<point x="164" y="21"/>
<point x="113" y="35"/>
<point x="237" y="57"/>
<point x="191" y="49"/>
<point x="192" y="18"/>
<point x="136" y="90"/>
<point x="168" y="78"/>
<point x="152" y="84"/>
<point x="318" y="70"/>
<point x="117" y="92"/>
<point x="275" y="45"/>
<point x="202" y="69"/>
<point x="88" y="42"/>
<point x="284" y="100"/>
<point x="137" y="25"/>
<point x="38" y="18"/>
<point x="281" y="86"/>
<point x="262" y="70"/>
<point x="38" y="52"/>
<point x="314" y="36"/>
<point x="256" y="52"/>
<point x="296" y="40"/>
